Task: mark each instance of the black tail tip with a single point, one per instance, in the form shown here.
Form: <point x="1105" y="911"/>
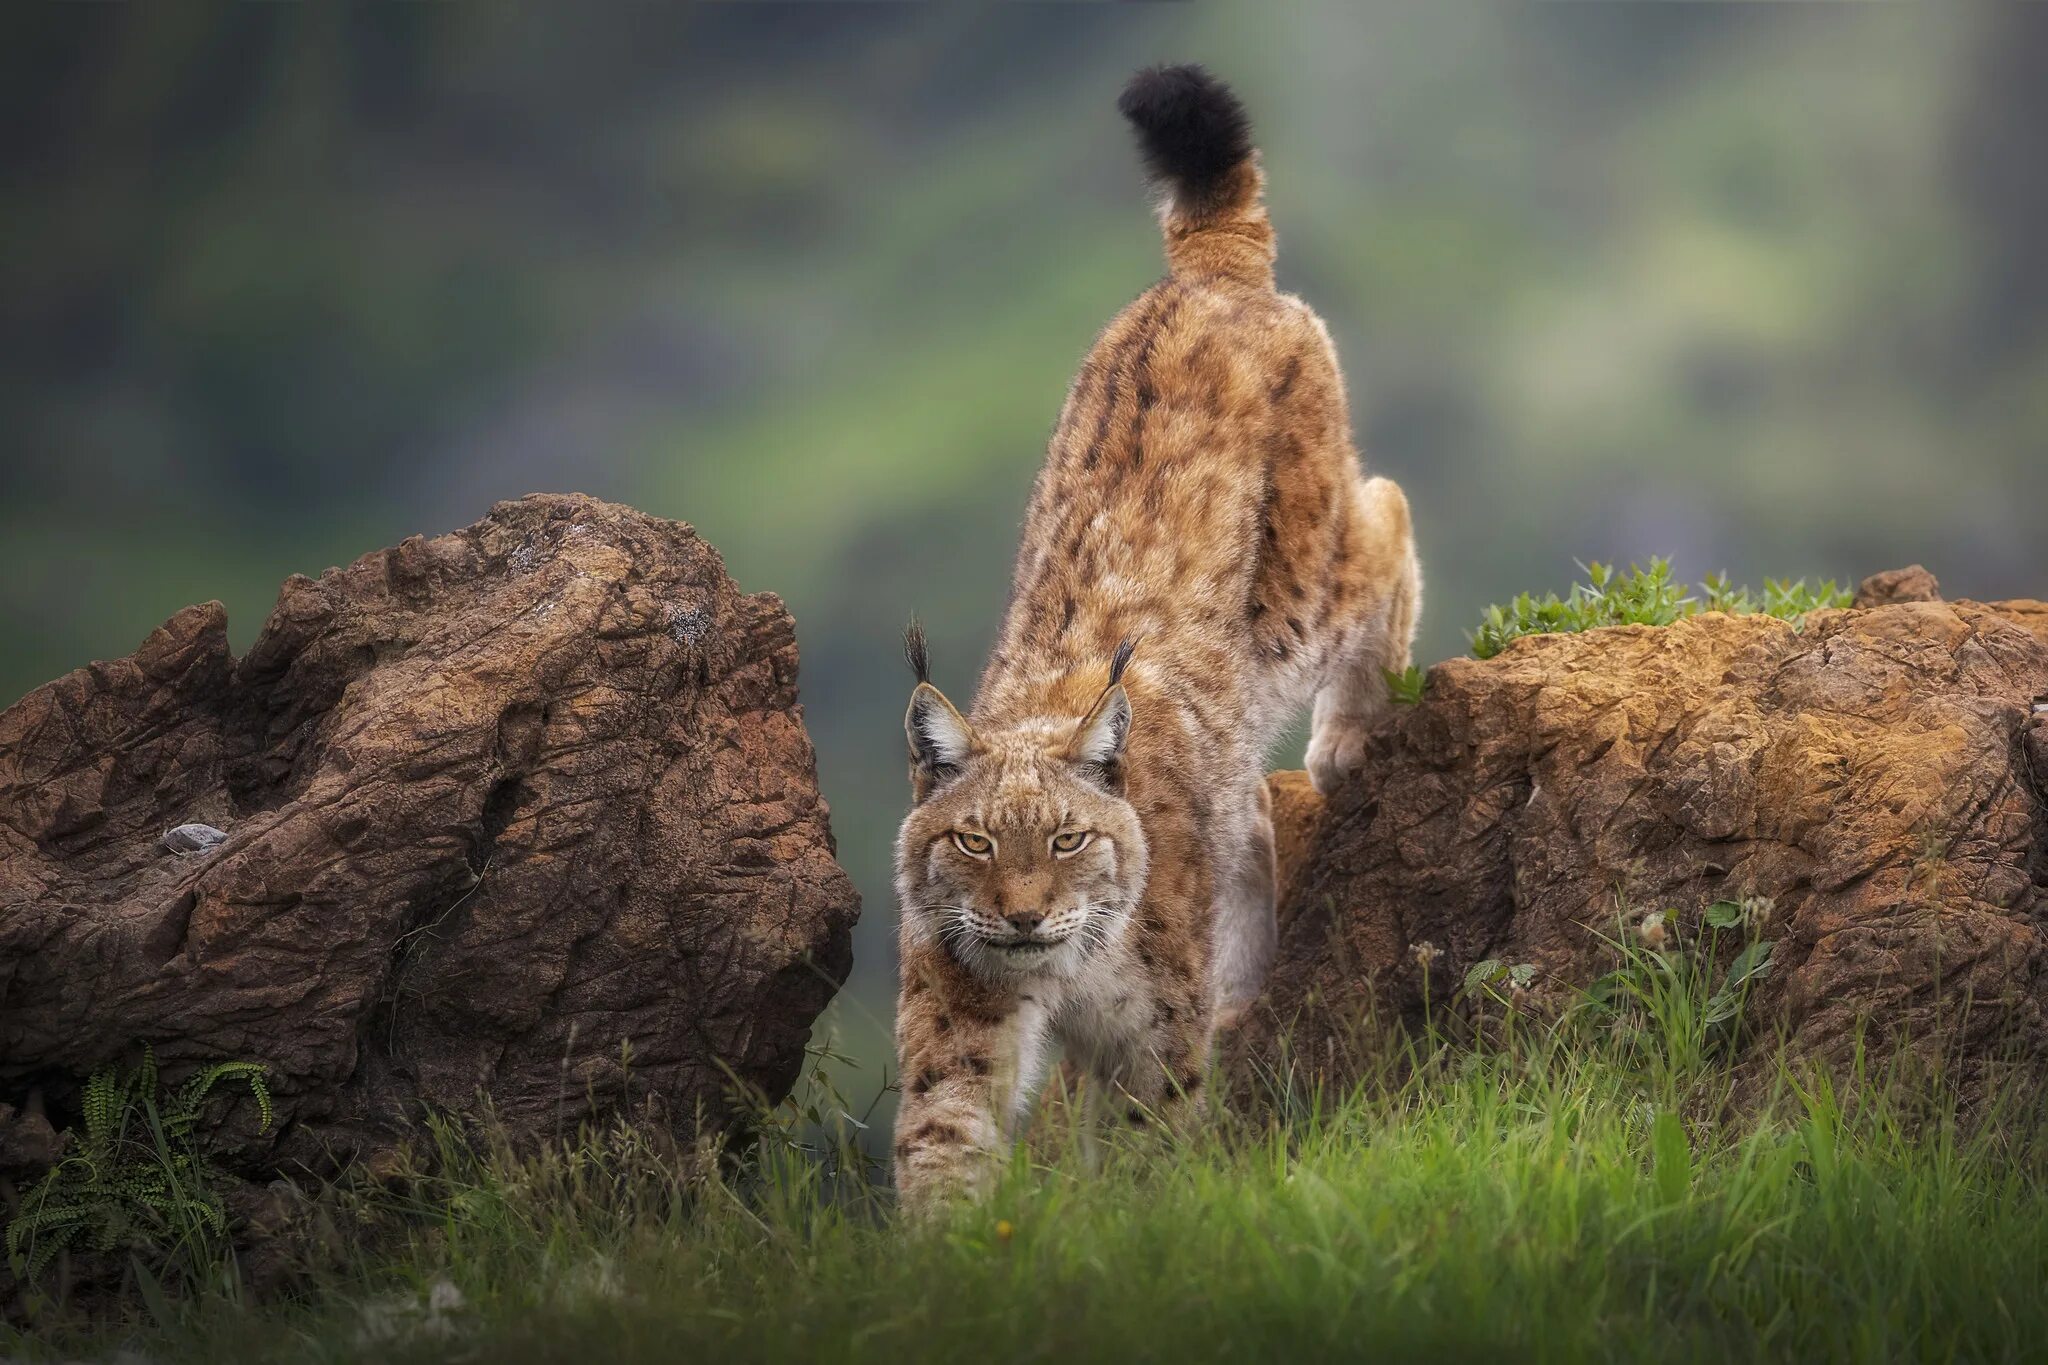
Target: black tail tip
<point x="1191" y="128"/>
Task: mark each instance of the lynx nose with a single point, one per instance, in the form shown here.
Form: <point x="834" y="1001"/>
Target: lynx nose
<point x="1025" y="921"/>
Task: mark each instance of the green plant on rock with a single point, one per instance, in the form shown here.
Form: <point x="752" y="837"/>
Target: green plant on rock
<point x="136" y="1178"/>
<point x="1405" y="687"/>
<point x="1644" y="597"/>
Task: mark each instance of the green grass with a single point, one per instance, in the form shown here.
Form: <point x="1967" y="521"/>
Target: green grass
<point x="1643" y="597"/>
<point x="1579" y="1189"/>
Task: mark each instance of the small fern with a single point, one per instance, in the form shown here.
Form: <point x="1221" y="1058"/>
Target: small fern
<point x="137" y="1178"/>
<point x="184" y="1112"/>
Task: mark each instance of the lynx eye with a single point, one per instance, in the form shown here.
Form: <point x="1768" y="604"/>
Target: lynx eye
<point x="973" y="845"/>
<point x="1072" y="842"/>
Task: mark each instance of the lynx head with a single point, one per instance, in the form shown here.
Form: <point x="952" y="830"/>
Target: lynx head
<point x="1021" y="855"/>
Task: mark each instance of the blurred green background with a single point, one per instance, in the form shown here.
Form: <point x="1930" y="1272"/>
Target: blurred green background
<point x="1758" y="287"/>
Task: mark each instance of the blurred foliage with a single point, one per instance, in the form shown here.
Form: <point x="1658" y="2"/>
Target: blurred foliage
<point x="1750" y="285"/>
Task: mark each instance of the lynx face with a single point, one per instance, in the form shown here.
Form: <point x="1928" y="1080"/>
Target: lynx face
<point x="1022" y="857"/>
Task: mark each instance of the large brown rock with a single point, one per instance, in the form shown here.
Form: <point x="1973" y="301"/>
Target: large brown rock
<point x="525" y="812"/>
<point x="1878" y="775"/>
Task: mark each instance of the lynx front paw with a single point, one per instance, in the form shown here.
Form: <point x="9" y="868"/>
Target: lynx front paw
<point x="929" y="1184"/>
<point x="1335" y="752"/>
<point x="937" y="1164"/>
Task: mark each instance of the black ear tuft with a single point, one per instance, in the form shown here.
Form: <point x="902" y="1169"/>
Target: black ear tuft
<point x="915" y="652"/>
<point x="1191" y="128"/>
<point x="1121" y="660"/>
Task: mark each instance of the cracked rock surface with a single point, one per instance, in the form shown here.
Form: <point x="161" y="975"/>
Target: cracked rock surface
<point x="1878" y="775"/>
<point x="526" y="811"/>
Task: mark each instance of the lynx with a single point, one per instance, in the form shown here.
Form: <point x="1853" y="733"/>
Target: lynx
<point x="1088" y="863"/>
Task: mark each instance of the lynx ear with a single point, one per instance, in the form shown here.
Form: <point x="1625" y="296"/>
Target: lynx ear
<point x="940" y="739"/>
<point x="1098" y="745"/>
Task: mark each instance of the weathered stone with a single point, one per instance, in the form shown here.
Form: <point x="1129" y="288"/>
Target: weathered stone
<point x="1910" y="584"/>
<point x="1877" y="774"/>
<point x="525" y="812"/>
<point x="27" y="1141"/>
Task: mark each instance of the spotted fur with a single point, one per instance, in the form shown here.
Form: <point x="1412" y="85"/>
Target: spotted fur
<point x="1201" y="559"/>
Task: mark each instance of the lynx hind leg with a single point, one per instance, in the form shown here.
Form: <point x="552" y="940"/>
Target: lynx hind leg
<point x="1246" y="934"/>
<point x="1384" y="592"/>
